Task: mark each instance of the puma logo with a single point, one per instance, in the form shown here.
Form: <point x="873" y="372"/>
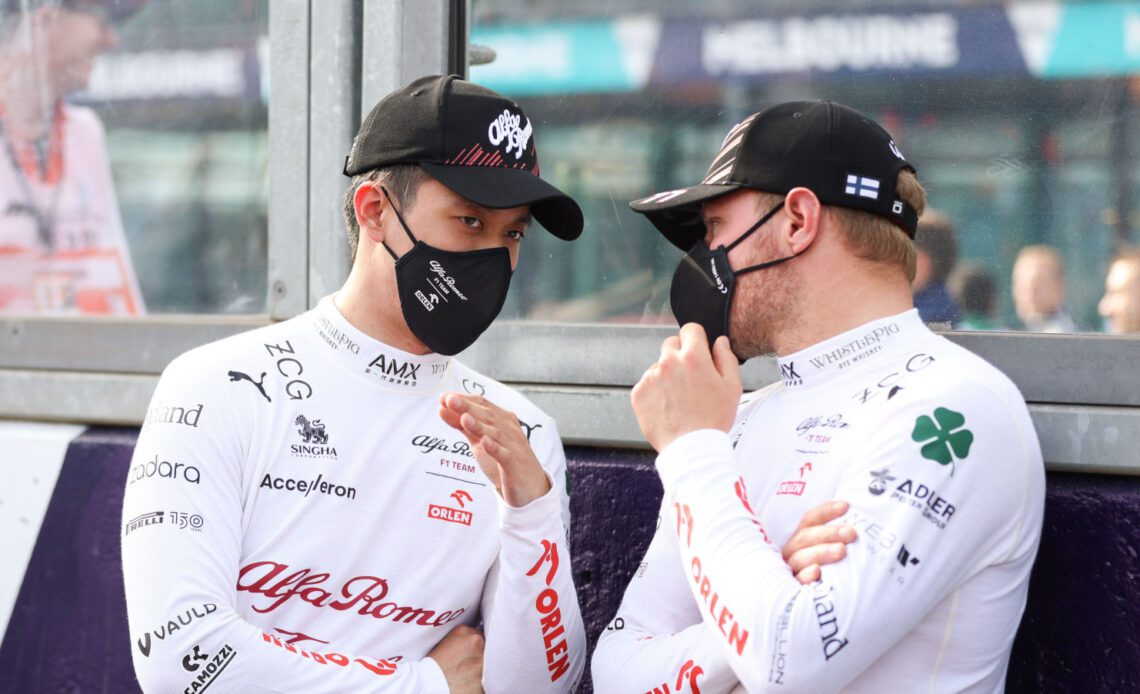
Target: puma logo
<point x="529" y="428"/>
<point x="239" y="376"/>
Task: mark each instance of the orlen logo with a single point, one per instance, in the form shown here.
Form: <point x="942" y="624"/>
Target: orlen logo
<point x="553" y="633"/>
<point x="452" y="515"/>
<point x="164" y="468"/>
<point x="689" y="673"/>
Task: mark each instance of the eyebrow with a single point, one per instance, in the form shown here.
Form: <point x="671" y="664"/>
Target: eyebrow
<point x="471" y="206"/>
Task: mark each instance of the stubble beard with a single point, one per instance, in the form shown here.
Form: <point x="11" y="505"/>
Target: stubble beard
<point x="763" y="307"/>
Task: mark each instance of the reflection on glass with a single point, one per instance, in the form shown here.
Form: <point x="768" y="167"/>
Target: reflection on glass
<point x="133" y="173"/>
<point x="1020" y="117"/>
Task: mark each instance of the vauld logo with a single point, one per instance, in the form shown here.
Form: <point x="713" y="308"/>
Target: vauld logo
<point x="508" y="127"/>
<point x="879" y="481"/>
<point x="391" y="370"/>
<point x="142" y="521"/>
<point x="208" y="669"/>
<point x="452" y="515"/>
<point x="166" y="469"/>
<point x="173" y="625"/>
<point x="791" y="377"/>
<point x="314" y="439"/>
<point x="236" y="376"/>
<point x="172" y="414"/>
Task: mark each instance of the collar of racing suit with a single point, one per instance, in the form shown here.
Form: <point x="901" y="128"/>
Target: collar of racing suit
<point x="828" y="360"/>
<point x="374" y="361"/>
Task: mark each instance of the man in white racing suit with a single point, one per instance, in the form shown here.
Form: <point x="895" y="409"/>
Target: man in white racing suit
<point x="334" y="503"/>
<point x="799" y="243"/>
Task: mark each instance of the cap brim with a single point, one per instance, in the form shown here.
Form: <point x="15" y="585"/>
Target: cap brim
<point x="500" y="187"/>
<point x="677" y="213"/>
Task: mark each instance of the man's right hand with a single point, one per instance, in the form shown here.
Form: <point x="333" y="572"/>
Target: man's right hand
<point x="815" y="543"/>
<point x="460" y="656"/>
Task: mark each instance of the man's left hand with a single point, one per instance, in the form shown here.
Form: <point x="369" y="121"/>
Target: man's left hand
<point x="501" y="448"/>
<point x="688" y="388"/>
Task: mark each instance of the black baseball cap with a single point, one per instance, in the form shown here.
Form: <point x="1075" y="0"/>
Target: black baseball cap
<point x="842" y="156"/>
<point x="472" y="140"/>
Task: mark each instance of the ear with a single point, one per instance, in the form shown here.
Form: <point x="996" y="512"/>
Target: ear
<point x="804" y="212"/>
<point x="369" y="202"/>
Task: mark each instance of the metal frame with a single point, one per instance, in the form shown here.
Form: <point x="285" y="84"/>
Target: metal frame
<point x="1083" y="390"/>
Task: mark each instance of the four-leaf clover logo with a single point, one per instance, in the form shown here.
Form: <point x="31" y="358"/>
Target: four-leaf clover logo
<point x="943" y="436"/>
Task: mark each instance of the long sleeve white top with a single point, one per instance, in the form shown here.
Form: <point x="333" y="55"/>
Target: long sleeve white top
<point x="935" y="452"/>
<point x="297" y="517"/>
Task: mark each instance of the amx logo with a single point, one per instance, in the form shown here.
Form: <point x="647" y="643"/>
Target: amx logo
<point x="791" y="377"/>
<point x="390" y="370"/>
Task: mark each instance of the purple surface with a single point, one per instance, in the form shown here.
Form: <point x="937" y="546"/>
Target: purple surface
<point x="68" y="632"/>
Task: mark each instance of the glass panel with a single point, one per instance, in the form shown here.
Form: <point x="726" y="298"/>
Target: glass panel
<point x="1020" y="117"/>
<point x="133" y="176"/>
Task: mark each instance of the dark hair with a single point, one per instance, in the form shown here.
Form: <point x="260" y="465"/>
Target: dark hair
<point x="402" y="182"/>
<point x="975" y="289"/>
<point x="935" y="237"/>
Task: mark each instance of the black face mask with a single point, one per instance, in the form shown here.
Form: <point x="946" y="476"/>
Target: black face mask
<point x="703" y="284"/>
<point x="449" y="298"/>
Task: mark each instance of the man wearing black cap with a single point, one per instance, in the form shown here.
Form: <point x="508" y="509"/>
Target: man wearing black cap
<point x="334" y="503"/>
<point x="799" y="243"/>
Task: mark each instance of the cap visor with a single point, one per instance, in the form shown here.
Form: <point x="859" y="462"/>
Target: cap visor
<point x="500" y="187"/>
<point x="677" y="213"/>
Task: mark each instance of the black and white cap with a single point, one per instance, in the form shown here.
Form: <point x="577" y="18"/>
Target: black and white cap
<point x="842" y="156"/>
<point x="473" y="140"/>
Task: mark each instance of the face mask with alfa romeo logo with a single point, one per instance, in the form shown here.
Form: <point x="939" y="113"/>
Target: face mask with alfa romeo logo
<point x="703" y="283"/>
<point x="449" y="298"/>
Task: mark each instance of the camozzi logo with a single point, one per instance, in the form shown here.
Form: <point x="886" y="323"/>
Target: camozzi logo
<point x="508" y="127"/>
<point x="314" y="439"/>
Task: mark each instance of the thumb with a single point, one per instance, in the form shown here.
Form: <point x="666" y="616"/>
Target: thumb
<point x="726" y="362"/>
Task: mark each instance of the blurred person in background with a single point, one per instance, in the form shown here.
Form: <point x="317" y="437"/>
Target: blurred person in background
<point x="937" y="253"/>
<point x="62" y="246"/>
<point x="1038" y="287"/>
<point x="1120" y="305"/>
<point x="975" y="290"/>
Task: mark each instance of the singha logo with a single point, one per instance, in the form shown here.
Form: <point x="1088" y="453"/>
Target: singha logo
<point x="311" y="432"/>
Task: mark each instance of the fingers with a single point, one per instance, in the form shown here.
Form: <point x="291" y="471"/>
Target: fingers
<point x="823" y="514"/>
<point x="809" y="575"/>
<point x="725" y="361"/>
<point x="817" y="536"/>
<point x="816" y="555"/>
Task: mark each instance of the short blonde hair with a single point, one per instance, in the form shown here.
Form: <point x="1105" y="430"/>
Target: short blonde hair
<point x="878" y="239"/>
<point x="868" y="235"/>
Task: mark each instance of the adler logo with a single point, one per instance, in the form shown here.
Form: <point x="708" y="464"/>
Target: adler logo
<point x="314" y="439"/>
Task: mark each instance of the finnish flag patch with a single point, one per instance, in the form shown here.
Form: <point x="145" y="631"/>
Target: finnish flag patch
<point x="863" y="186"/>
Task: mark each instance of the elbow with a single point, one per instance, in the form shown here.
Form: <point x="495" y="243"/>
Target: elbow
<point x="158" y="675"/>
